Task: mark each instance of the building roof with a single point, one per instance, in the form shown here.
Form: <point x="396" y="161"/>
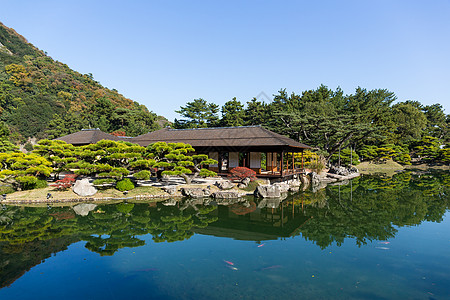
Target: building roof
<point x="88" y="136"/>
<point x="222" y="137"/>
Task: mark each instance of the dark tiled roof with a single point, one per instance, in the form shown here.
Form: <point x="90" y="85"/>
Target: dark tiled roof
<point x="88" y="136"/>
<point x="244" y="136"/>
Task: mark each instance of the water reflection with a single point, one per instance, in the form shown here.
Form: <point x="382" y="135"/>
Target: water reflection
<point x="369" y="208"/>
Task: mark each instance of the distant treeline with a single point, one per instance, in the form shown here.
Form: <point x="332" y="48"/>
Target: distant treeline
<point x="366" y="121"/>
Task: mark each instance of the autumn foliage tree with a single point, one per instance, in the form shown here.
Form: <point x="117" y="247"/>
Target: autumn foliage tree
<point x="241" y="173"/>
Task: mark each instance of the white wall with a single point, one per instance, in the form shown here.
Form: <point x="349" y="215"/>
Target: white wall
<point x="233" y="158"/>
<point x="255" y="160"/>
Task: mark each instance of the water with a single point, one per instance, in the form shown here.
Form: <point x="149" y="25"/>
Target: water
<point x="376" y="238"/>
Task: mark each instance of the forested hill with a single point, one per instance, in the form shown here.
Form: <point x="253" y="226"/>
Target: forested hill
<point x="41" y="97"/>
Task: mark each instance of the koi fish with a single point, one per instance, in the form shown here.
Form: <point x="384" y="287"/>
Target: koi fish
<point x="259" y="246"/>
<point x="385" y="243"/>
<point x="382" y="248"/>
<point x="271" y="267"/>
<point x="232" y="268"/>
<point x="229" y="262"/>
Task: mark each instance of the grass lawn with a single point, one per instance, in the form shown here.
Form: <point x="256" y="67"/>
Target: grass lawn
<point x="389" y="168"/>
<point x="41" y="194"/>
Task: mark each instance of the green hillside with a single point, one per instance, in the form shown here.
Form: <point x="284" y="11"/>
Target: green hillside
<point x="41" y="97"/>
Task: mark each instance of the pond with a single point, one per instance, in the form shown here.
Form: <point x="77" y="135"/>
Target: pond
<point x="375" y="238"/>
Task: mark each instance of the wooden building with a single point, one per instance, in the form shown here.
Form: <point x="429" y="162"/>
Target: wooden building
<point x="267" y="153"/>
<point x="90" y="136"/>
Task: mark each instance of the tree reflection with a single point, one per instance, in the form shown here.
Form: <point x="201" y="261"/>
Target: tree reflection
<point x="369" y="208"/>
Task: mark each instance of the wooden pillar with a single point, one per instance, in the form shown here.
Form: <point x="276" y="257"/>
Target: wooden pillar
<point x="282" y="163"/>
<point x="293" y="163"/>
<point x="302" y="161"/>
<point x="267" y="161"/>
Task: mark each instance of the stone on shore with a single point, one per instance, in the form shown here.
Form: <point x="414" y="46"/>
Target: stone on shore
<point x="224" y="184"/>
<point x="284" y="187"/>
<point x="84" y="188"/>
<point x="196" y="192"/>
<point x="315" y="179"/>
<point x="268" y="191"/>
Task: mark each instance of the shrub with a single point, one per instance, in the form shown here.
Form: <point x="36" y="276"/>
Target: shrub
<point x="124" y="185"/>
<point x="27" y="182"/>
<point x="65" y="183"/>
<point x="6" y="189"/>
<point x="240" y="173"/>
<point x="104" y="181"/>
<point x="40" y="184"/>
<point x="142" y="175"/>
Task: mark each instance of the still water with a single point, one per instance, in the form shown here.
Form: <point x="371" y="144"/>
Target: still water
<point x="375" y="238"/>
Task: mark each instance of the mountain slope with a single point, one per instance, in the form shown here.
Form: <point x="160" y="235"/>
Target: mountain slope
<point x="45" y="98"/>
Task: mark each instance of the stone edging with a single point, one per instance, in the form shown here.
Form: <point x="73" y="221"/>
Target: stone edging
<point x="87" y="199"/>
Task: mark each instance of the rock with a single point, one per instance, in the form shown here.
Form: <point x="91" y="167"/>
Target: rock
<point x="83" y="209"/>
<point x="268" y="191"/>
<point x="196" y="192"/>
<point x="84" y="188"/>
<point x="170" y="189"/>
<point x="224" y="184"/>
<point x="295" y="182"/>
<point x="226" y="195"/>
<point x="353" y="169"/>
<point x="315" y="179"/>
<point x="294" y="189"/>
<point x="246" y="181"/>
<point x="339" y="171"/>
<point x="284" y="187"/>
<point x="305" y="181"/>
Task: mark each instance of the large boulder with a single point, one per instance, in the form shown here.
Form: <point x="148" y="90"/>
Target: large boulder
<point x="305" y="181"/>
<point x="84" y="188"/>
<point x="284" y="187"/>
<point x="196" y="192"/>
<point x="224" y="184"/>
<point x="226" y="195"/>
<point x="268" y="191"/>
<point x="315" y="179"/>
<point x="294" y="189"/>
<point x="83" y="209"/>
<point x="338" y="170"/>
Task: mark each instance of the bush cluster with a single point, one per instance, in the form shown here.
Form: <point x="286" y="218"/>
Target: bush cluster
<point x="124" y="185"/>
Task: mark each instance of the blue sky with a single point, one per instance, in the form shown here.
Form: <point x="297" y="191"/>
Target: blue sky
<point x="166" y="53"/>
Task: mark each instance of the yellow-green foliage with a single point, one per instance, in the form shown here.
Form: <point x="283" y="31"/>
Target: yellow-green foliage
<point x="311" y="160"/>
<point x="124" y="185"/>
<point x="24" y="169"/>
<point x="386" y="152"/>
